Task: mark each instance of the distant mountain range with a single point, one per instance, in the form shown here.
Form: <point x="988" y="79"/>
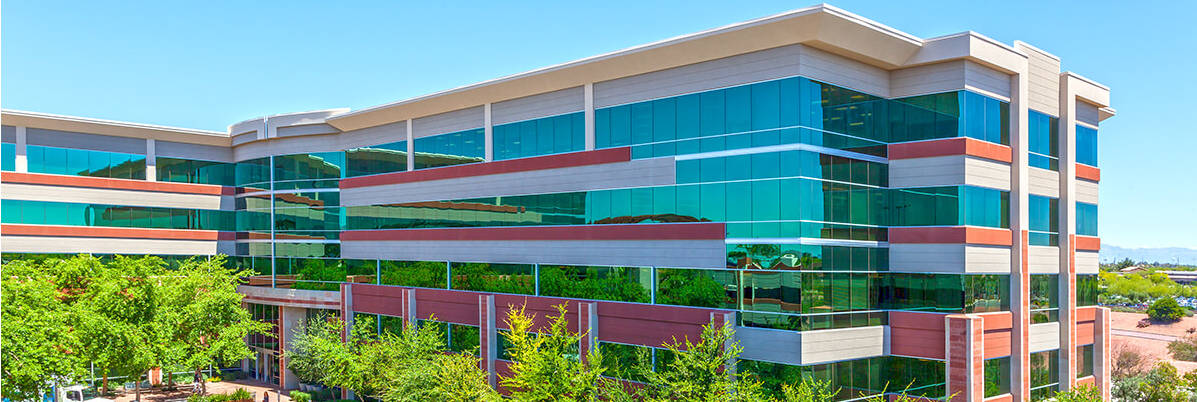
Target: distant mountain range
<point x="1176" y="255"/>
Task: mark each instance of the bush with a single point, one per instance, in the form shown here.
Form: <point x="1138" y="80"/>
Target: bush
<point x="241" y="395"/>
<point x="297" y="396"/>
<point x="1082" y="393"/>
<point x="1184" y="348"/>
<point x="228" y="376"/>
<point x="1166" y="309"/>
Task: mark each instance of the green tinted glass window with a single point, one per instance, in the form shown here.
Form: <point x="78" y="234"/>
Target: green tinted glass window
<point x="1086" y="145"/>
<point x="451" y="149"/>
<point x="376" y="159"/>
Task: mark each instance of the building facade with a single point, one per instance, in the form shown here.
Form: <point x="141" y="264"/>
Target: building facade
<point x="880" y="210"/>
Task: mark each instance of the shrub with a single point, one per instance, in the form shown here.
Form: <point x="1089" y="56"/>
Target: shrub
<point x="1082" y="393"/>
<point x="298" y="396"/>
<point x="1166" y="309"/>
<point x="1128" y="361"/>
<point x="1184" y="348"/>
<point x="241" y="395"/>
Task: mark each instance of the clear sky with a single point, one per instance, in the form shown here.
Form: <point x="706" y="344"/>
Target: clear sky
<point x="212" y="63"/>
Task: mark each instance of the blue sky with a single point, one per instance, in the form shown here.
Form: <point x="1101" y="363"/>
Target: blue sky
<point x="209" y="64"/>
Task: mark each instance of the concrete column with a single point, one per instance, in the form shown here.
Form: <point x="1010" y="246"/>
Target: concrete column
<point x="488" y="129"/>
<point x="22" y="161"/>
<point x="409" y="306"/>
<point x="1067" y="222"/>
<point x="290" y="319"/>
<point x="718" y="320"/>
<point x="964" y="346"/>
<point x="488" y="337"/>
<point x="588" y="92"/>
<point x="347" y="309"/>
<point x="1020" y="279"/>
<point x="411" y="147"/>
<point x="151" y="160"/>
<point x="347" y="314"/>
<point x="1102" y="367"/>
<point x="588" y="328"/>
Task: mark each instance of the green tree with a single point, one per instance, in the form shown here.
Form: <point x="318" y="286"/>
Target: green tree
<point x="1161" y="383"/>
<point x="413" y="365"/>
<point x="701" y="371"/>
<point x="302" y="355"/>
<point x="120" y="327"/>
<point x="41" y="347"/>
<point x="202" y="315"/>
<point x="809" y="391"/>
<point x="422" y="370"/>
<point x="1166" y="309"/>
<point x="548" y="366"/>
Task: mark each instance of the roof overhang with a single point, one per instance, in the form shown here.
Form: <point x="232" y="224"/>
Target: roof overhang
<point x="113" y="128"/>
<point x="824" y="27"/>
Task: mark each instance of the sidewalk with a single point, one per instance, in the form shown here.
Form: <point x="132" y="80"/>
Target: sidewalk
<point x="223" y="387"/>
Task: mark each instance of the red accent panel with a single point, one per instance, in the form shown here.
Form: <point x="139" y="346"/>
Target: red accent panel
<point x="950" y="235"/>
<point x="1086" y="381"/>
<point x="1085" y="332"/>
<point x="670" y="231"/>
<point x="951" y="146"/>
<point x="115" y="184"/>
<point x="1088" y="243"/>
<point x="630" y="323"/>
<point x="916" y="334"/>
<point x="571" y="159"/>
<point x="998" y="333"/>
<point x="627" y="323"/>
<point x="1087" y="172"/>
<point x="122" y="233"/>
<point x="1086" y="314"/>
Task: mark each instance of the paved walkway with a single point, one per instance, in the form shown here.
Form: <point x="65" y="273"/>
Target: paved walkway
<point x="223" y="387"/>
<point x="1143" y="335"/>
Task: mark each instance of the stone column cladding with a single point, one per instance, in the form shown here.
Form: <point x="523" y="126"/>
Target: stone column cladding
<point x="347" y="317"/>
<point x="965" y="352"/>
<point x="1067" y="222"/>
<point x="151" y="160"/>
<point x="588" y="328"/>
<point x="289" y="319"/>
<point x="22" y="160"/>
<point x="1020" y="279"/>
<point x="1102" y="367"/>
<point x="488" y="134"/>
<point x="409" y="306"/>
<point x="588" y="105"/>
<point x="411" y="147"/>
<point x="487" y="337"/>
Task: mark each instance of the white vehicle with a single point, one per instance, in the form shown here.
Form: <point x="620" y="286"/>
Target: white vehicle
<point x="77" y="393"/>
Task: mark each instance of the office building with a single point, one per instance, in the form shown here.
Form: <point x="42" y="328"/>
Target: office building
<point x="863" y="205"/>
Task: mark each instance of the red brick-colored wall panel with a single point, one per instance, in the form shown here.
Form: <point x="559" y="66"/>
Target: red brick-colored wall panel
<point x="917" y="334"/>
<point x="1085" y="331"/>
<point x="997" y="342"/>
<point x="1088" y="243"/>
<point x="1088" y="313"/>
<point x="1087" y="172"/>
<point x="114" y="184"/>
<point x="10" y="229"/>
<point x="949" y="147"/>
<point x="572" y="159"/>
<point x="949" y="235"/>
